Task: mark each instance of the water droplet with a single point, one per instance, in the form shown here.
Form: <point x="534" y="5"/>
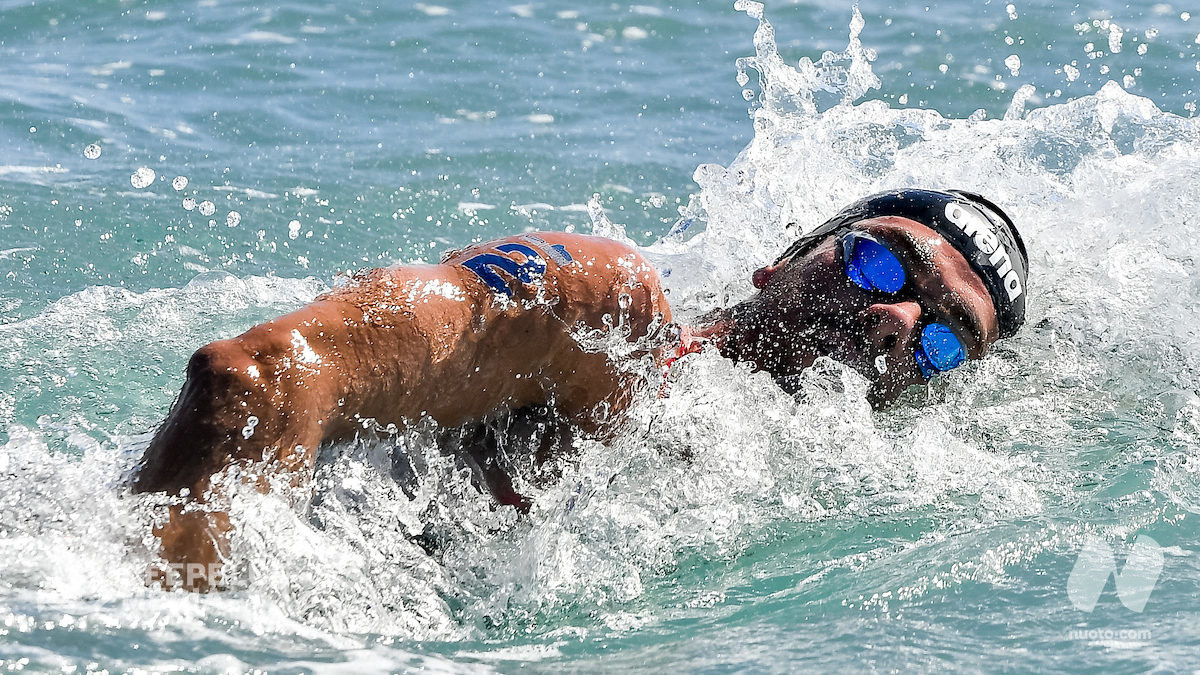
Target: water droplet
<point x="92" y="151"/>
<point x="248" y="430"/>
<point x="1014" y="64"/>
<point x="180" y="182"/>
<point x="142" y="178"/>
<point x="207" y="208"/>
<point x="189" y="204"/>
<point x="233" y="219"/>
<point x="293" y="229"/>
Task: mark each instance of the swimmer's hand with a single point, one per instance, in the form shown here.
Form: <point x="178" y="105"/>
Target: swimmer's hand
<point x="195" y="546"/>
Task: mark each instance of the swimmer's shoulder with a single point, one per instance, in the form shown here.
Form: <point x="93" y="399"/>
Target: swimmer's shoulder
<point x="556" y="255"/>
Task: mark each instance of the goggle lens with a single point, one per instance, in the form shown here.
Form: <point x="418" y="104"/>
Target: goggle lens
<point x="940" y="350"/>
<point x="872" y="267"/>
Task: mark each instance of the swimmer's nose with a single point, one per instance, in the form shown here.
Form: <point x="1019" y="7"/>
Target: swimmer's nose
<point x="891" y="327"/>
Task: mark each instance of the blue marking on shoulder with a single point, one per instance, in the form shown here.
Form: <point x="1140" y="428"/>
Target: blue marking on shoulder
<point x="482" y="265"/>
<point x="533" y="268"/>
<point x="485" y="266"/>
<point x="563" y="257"/>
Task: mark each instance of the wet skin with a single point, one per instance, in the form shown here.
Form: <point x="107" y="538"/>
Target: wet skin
<point x="409" y="342"/>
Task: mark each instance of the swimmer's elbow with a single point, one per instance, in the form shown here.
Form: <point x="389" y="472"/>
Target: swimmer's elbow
<point x="193" y="440"/>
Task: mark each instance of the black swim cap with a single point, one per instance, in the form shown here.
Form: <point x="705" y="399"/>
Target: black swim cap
<point x="976" y="227"/>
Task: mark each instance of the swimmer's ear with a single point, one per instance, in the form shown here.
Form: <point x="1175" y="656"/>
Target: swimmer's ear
<point x="763" y="275"/>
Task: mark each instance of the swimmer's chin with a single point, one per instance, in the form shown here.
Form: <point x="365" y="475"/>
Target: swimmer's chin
<point x="882" y="398"/>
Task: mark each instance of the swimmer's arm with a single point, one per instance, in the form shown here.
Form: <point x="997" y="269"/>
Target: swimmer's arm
<point x="238" y="407"/>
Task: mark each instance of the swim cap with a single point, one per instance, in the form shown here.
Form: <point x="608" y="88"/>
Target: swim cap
<point x="976" y="227"/>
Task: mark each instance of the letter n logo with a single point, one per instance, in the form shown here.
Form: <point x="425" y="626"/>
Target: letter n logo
<point x="1096" y="564"/>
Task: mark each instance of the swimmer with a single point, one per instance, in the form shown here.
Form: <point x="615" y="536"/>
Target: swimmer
<point x="900" y="286"/>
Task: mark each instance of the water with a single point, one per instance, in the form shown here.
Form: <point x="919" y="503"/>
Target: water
<point x="736" y="528"/>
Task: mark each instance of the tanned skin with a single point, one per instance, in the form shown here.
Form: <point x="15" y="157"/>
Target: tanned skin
<point x="401" y="344"/>
<point x="437" y="341"/>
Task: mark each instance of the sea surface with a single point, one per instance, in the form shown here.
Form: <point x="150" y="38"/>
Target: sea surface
<point x="174" y="172"/>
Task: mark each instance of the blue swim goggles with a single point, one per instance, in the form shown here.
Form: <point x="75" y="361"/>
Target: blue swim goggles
<point x="872" y="267"/>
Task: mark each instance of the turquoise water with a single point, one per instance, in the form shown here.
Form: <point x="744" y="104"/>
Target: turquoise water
<point x="741" y="529"/>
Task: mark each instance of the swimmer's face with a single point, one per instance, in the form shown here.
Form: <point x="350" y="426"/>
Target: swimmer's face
<point x="808" y="308"/>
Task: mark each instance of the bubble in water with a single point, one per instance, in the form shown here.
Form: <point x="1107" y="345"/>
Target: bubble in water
<point x="1072" y="72"/>
<point x="1012" y="11"/>
<point x="180" y="182"/>
<point x="189" y="204"/>
<point x="142" y="178"/>
<point x="742" y="78"/>
<point x="92" y="151"/>
<point x="1014" y="64"/>
<point x="943" y="68"/>
<point x="248" y="430"/>
<point x="293" y="229"/>
<point x="1128" y="81"/>
<point x="1143" y="48"/>
<point x="207" y="208"/>
<point x="233" y="219"/>
<point x="748" y="94"/>
<point x="881" y="363"/>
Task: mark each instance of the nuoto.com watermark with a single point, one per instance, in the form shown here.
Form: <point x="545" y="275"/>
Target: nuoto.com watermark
<point x="1096" y="564"/>
<point x="1109" y="635"/>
